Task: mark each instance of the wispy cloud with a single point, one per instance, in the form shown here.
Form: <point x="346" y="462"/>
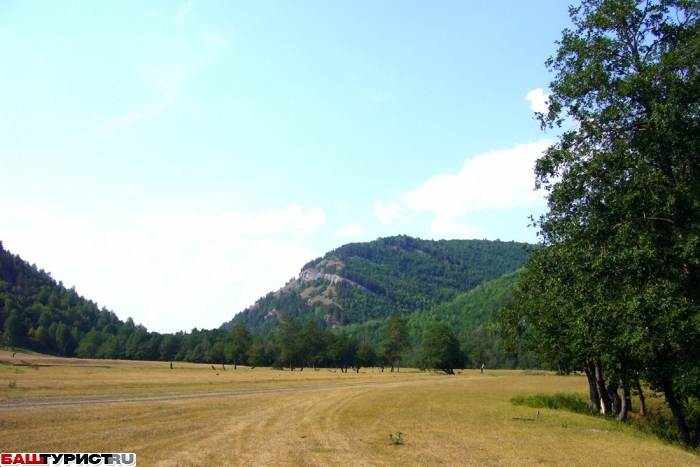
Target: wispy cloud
<point x="168" y="80"/>
<point x="184" y="11"/>
<point x="202" y="45"/>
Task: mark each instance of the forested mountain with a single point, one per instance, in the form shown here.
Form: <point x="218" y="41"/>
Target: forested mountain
<point x="337" y="311"/>
<point x="356" y="287"/>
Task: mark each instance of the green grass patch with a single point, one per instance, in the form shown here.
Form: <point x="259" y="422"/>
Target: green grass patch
<point x="658" y="422"/>
<point x="576" y="403"/>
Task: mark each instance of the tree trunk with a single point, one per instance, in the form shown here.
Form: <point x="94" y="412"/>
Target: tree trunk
<point x="589" y="368"/>
<point x="696" y="436"/>
<point x="616" y="402"/>
<point x="642" y="404"/>
<point x="602" y="392"/>
<point x="671" y="399"/>
<point x="626" y="402"/>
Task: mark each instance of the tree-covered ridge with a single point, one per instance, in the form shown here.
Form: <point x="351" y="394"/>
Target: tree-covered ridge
<point x="365" y="283"/>
<point x="469" y="310"/>
<point x="40" y="313"/>
<point x="469" y="316"/>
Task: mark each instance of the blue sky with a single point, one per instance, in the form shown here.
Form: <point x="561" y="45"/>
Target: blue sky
<point x="176" y="161"/>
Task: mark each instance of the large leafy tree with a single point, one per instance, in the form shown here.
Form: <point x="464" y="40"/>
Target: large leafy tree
<point x="623" y="182"/>
<point x="238" y="344"/>
<point x="396" y="340"/>
<point x="287" y="342"/>
<point x="13" y="330"/>
<point x="441" y="350"/>
<point x="364" y="357"/>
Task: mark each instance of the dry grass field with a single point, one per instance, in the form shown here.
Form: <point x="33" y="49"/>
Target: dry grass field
<point x="195" y="416"/>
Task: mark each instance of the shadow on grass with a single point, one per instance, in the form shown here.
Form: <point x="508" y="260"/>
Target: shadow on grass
<point x="656" y="422"/>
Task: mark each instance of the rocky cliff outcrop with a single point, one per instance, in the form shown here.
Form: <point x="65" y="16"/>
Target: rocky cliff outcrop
<point x="311" y="274"/>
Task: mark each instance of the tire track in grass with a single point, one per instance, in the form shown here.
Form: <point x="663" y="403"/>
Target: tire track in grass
<point x="55" y="403"/>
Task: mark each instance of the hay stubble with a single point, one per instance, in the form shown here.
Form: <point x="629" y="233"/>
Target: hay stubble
<point x="307" y="418"/>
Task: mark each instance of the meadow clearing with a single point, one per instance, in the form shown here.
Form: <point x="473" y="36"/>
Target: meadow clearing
<point x="193" y="415"/>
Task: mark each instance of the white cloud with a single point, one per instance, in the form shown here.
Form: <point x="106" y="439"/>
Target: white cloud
<point x="29" y="214"/>
<point x="495" y="181"/>
<point x="349" y="231"/>
<point x="539" y="101"/>
<point x="169" y="270"/>
<point x="389" y="213"/>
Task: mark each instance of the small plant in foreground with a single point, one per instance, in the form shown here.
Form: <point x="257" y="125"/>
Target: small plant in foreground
<point x="12" y="384"/>
<point x="396" y="440"/>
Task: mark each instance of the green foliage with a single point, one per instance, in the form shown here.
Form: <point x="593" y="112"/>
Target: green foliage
<point x="365" y="356"/>
<point x="13" y="330"/>
<point x="617" y="288"/>
<point x="658" y="423"/>
<point x="441" y="350"/>
<point x="12" y="384"/>
<point x="413" y="274"/>
<point x="238" y="344"/>
<point x="469" y="315"/>
<point x="395" y="275"/>
<point x="396" y="340"/>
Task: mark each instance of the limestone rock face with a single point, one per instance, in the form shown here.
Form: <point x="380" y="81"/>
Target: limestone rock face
<point x="311" y="274"/>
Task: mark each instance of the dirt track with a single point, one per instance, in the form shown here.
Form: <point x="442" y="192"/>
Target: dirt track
<point x="104" y="400"/>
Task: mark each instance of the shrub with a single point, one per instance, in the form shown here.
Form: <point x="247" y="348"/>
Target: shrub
<point x="396" y="440"/>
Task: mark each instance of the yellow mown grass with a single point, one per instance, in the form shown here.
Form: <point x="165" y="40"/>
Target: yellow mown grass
<point x="319" y="418"/>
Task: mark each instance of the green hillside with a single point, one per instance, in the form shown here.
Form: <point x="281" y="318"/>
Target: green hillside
<point x="39" y="313"/>
<point x="469" y="315"/>
<point x="471" y="309"/>
<point x="359" y="285"/>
